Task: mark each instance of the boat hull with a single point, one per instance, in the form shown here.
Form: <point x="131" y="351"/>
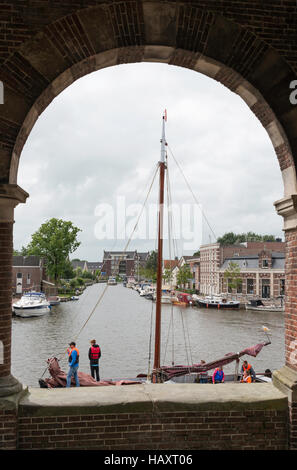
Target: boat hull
<point x="217" y="305"/>
<point x="31" y="312"/>
<point x="265" y="309"/>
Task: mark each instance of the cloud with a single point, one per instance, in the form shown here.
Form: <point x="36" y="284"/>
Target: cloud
<point x="100" y="139"/>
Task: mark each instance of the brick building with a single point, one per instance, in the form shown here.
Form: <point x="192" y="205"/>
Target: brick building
<point x="121" y="263"/>
<point x="261" y="275"/>
<point x="262" y="268"/>
<point x="28" y="272"/>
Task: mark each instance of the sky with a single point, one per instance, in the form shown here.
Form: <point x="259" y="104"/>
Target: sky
<point x="92" y="154"/>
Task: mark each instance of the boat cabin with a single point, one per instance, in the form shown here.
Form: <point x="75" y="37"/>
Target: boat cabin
<point x="184" y="297"/>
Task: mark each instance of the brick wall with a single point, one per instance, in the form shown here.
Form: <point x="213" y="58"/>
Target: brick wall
<point x="5" y="295"/>
<point x="251" y="429"/>
<point x="35" y="277"/>
<point x="8" y="429"/>
<point x="291" y="300"/>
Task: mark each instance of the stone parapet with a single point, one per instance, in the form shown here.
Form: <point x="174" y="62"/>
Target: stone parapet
<point x="154" y="416"/>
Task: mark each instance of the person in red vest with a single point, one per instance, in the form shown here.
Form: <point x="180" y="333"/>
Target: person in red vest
<point x="94" y="356"/>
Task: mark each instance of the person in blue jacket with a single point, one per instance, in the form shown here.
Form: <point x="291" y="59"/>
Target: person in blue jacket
<point x="218" y="375"/>
<point x="73" y="359"/>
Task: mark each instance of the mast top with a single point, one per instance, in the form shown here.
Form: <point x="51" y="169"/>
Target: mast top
<point x="163" y="139"/>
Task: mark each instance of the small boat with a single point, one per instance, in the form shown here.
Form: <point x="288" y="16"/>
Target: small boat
<point x="112" y="281"/>
<point x="147" y="290"/>
<point x="74" y="297"/>
<point x="257" y="305"/>
<point x="216" y="302"/>
<point x="165" y="298"/>
<point x="31" y="304"/>
<point x="182" y="298"/>
<point x="54" y="300"/>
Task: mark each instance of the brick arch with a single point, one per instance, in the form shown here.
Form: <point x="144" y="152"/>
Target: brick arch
<point x="180" y="34"/>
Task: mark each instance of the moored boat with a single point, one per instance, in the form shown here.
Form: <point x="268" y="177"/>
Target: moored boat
<point x="31" y="304"/>
<point x="258" y="306"/>
<point x="54" y="300"/>
<point x="182" y="298"/>
<point x="216" y="302"/>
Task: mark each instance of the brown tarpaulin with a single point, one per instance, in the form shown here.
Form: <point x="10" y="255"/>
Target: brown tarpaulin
<point x="175" y="371"/>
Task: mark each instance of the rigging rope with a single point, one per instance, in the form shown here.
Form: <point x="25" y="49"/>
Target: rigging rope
<point x="195" y="199"/>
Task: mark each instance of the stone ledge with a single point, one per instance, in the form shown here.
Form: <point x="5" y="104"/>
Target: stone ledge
<point x="156" y="398"/>
<point x="285" y="379"/>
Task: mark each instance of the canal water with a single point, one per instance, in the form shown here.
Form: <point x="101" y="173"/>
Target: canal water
<point x="122" y="326"/>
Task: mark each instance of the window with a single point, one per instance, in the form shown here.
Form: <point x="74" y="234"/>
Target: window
<point x="239" y="287"/>
<point x="282" y="287"/>
<point x="265" y="288"/>
<point x="264" y="263"/>
<point x="28" y="278"/>
<point x="250" y="286"/>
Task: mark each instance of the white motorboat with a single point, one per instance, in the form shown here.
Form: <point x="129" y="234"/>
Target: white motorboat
<point x="165" y="298"/>
<point x="31" y="304"/>
<point x="258" y="306"/>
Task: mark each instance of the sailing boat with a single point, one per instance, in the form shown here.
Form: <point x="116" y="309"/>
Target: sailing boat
<point x="159" y="373"/>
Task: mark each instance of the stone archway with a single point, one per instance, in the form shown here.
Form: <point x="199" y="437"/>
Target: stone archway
<point x="227" y="44"/>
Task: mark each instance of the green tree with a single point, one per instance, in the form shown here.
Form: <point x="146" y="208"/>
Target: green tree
<point x="231" y="238"/>
<point x="184" y="274"/>
<point x="54" y="241"/>
<point x="232" y="275"/>
<point x="167" y="275"/>
<point x="22" y="252"/>
<point x="68" y="271"/>
<point x="150" y="269"/>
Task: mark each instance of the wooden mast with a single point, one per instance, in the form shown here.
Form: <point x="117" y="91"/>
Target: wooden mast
<point x="162" y="166"/>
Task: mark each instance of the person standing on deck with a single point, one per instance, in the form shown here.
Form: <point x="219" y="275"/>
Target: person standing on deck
<point x="73" y="359"/>
<point x="94" y="356"/>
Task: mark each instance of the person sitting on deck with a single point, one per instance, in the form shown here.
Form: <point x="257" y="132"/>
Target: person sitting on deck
<point x="218" y="375"/>
<point x="247" y="378"/>
<point x="247" y="366"/>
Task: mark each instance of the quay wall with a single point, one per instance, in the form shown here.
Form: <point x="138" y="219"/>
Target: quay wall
<point x="148" y="417"/>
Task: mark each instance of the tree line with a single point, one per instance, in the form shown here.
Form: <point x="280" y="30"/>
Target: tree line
<point x="231" y="238"/>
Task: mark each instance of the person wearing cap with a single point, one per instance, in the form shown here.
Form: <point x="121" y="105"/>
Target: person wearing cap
<point x="73" y="359"/>
<point x="94" y="356"/>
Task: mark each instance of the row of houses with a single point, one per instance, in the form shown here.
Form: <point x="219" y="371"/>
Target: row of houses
<point x="261" y="269"/>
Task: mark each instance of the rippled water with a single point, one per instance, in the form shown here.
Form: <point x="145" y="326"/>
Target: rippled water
<point x="121" y="324"/>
